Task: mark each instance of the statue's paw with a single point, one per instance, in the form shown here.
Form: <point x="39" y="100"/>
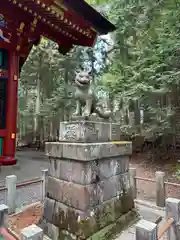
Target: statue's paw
<point x="76" y="113"/>
<point x="86" y="114"/>
<point x="108" y="112"/>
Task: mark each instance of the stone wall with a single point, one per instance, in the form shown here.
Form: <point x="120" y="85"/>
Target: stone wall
<point x="88" y="183"/>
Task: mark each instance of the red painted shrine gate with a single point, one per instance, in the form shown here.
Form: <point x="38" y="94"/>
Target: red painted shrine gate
<point x="22" y="23"/>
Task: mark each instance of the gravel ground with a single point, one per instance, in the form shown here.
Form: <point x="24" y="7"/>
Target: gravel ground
<point x="25" y="195"/>
<point x="30" y="215"/>
<point x="147" y="190"/>
<point x="29" y="194"/>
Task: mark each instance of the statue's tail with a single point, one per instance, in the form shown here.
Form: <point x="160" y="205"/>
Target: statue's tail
<point x="103" y="113"/>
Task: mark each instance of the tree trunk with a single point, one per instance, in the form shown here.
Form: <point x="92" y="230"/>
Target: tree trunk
<point x="37" y="111"/>
<point x="137" y="116"/>
<point x="51" y="129"/>
<point x="24" y="122"/>
<point x="66" y="80"/>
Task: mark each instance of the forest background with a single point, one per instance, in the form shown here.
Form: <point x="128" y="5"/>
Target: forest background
<point x="136" y="70"/>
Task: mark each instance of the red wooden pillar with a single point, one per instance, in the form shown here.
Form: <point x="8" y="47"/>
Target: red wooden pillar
<point x="9" y="147"/>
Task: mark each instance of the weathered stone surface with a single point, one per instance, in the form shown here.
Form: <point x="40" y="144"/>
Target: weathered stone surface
<point x="71" y="194"/>
<point x="87" y="172"/>
<point x="64" y="234"/>
<point x="146" y="230"/>
<point x="86" y="223"/>
<point x="73" y="171"/>
<point x="32" y="232"/>
<point x="84" y="197"/>
<point x="111" y="231"/>
<point x="3" y="215"/>
<point x="116" y="206"/>
<point x="113" y="166"/>
<point x="89" y="131"/>
<point x="51" y="230"/>
<point x="120" y="184"/>
<point x="87" y="151"/>
<point x="150" y="216"/>
<point x="173" y="211"/>
<point x="173" y="208"/>
<point x="49" y="208"/>
<point x="54" y="149"/>
<point x="88" y="184"/>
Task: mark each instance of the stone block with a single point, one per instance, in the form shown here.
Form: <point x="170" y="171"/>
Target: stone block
<point x="113" y="230"/>
<point x="89" y="131"/>
<point x="32" y="232"/>
<point x="74" y="195"/>
<point x="66" y="217"/>
<point x="3" y="215"/>
<point x="11" y="193"/>
<point x="160" y="189"/>
<point x="150" y="216"/>
<point x="49" y="206"/>
<point x="51" y="231"/>
<point x="87" y="172"/>
<point x="88" y="151"/>
<point x="54" y="149"/>
<point x="73" y="171"/>
<point x="146" y="230"/>
<point x="83" y="197"/>
<point x="88" y="184"/>
<point x="173" y="209"/>
<point x="109" y="167"/>
<point x="113" y="186"/>
<point x="86" y="223"/>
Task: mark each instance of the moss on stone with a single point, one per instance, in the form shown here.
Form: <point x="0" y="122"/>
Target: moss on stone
<point x="127" y="202"/>
<point x="64" y="235"/>
<point x="112" y="230"/>
<point x="104" y="217"/>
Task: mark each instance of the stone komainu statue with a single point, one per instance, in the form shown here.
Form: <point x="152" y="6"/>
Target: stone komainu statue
<point x="86" y="97"/>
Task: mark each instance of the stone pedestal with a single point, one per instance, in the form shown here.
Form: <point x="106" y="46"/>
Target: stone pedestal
<point x="88" y="183"/>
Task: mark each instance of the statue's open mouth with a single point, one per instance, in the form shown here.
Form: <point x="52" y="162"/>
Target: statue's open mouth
<point x="81" y="83"/>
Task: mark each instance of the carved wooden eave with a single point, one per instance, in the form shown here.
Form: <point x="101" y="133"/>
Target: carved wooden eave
<point x="57" y="20"/>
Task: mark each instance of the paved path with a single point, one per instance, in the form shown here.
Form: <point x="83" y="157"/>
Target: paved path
<point x="29" y="166"/>
<point x="129" y="234"/>
<point x="30" y="163"/>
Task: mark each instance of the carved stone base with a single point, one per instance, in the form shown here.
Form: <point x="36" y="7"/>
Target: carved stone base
<point x="61" y="219"/>
<point x="88" y="183"/>
<point x="89" y="131"/>
<point x="92" y="225"/>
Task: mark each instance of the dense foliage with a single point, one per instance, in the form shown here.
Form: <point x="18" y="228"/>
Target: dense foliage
<point x="137" y="67"/>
